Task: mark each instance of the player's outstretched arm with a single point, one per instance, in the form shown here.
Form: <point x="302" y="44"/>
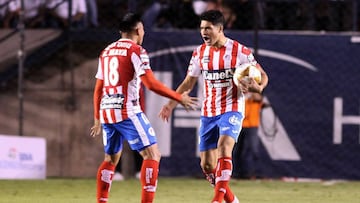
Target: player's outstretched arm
<point x="185" y="88"/>
<point x="190" y="103"/>
<point x="158" y="87"/>
<point x="167" y="109"/>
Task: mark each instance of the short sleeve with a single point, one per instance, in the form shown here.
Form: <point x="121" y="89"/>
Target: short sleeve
<point x="141" y="61"/>
<point x="194" y="65"/>
<point x="99" y="74"/>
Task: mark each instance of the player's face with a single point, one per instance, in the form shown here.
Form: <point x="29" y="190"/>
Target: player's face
<point x="210" y="33"/>
<point x="141" y="33"/>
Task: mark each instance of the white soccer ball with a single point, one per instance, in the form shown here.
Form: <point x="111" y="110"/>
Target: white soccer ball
<point x="255" y="73"/>
<point x="245" y="71"/>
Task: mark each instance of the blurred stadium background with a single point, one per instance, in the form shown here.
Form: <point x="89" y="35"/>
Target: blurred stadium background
<point x="309" y="48"/>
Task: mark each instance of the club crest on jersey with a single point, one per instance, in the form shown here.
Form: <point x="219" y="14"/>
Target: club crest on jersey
<point x="226" y="57"/>
<point x="205" y="59"/>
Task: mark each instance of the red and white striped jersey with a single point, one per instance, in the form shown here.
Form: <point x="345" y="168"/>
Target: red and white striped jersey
<point x="120" y="66"/>
<point x="217" y="66"/>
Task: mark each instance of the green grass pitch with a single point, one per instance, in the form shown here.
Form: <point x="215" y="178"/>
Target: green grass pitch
<point x="173" y="190"/>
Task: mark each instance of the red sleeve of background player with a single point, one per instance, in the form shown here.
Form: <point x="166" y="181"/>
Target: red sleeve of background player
<point x="97" y="97"/>
<point x="150" y="82"/>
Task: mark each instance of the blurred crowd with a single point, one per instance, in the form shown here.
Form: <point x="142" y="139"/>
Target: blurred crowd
<point x="48" y="13"/>
<point x="328" y="15"/>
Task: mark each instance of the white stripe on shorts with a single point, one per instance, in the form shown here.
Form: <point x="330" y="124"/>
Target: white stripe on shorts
<point x="142" y="132"/>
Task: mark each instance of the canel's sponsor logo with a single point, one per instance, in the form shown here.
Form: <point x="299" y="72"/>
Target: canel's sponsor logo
<point x="218" y="74"/>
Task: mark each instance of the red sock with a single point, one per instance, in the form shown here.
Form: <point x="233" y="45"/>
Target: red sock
<point x="103" y="181"/>
<point x="223" y="174"/>
<point x="148" y="177"/>
<point x="210" y="176"/>
<point x="229" y="195"/>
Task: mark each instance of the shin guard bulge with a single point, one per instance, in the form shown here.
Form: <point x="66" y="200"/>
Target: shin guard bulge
<point x="148" y="177"/>
<point x="223" y="174"/>
<point x="103" y="181"/>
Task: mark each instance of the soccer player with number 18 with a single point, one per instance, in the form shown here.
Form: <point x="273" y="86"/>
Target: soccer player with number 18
<point x="123" y="65"/>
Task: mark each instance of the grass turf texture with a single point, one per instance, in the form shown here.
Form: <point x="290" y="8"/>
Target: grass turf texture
<point x="173" y="190"/>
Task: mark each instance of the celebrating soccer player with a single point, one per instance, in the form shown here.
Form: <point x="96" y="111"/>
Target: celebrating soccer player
<point x="123" y="65"/>
<point x="223" y="106"/>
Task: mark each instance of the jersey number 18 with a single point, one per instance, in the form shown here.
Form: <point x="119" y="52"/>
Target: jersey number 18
<point x="111" y="74"/>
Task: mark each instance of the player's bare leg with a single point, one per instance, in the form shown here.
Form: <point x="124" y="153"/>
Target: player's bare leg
<point x="208" y="161"/>
<point x="149" y="173"/>
<point x="104" y="176"/>
<point x="224" y="170"/>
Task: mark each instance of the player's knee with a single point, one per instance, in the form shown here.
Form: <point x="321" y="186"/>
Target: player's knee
<point x="113" y="159"/>
<point x="225" y="151"/>
<point x="156" y="155"/>
<point x="151" y="153"/>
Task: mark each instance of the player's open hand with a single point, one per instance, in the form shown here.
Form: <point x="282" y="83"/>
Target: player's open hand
<point x="96" y="128"/>
<point x="165" y="112"/>
<point x="189" y="102"/>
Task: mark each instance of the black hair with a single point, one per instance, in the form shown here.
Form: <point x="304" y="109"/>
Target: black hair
<point x="129" y="22"/>
<point x="213" y="16"/>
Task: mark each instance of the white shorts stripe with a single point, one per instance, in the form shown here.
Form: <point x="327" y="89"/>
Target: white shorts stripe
<point x="142" y="132"/>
